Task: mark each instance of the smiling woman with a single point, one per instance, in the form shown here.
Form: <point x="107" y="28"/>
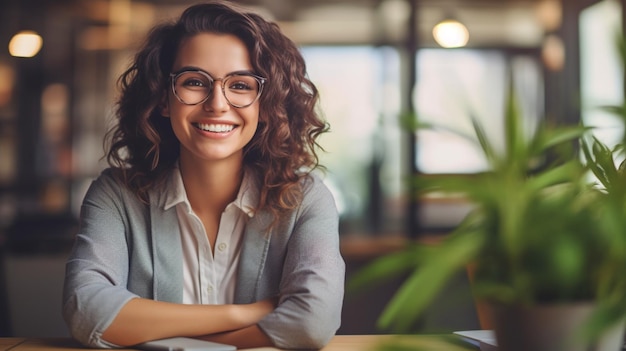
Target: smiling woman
<point x="211" y="221"/>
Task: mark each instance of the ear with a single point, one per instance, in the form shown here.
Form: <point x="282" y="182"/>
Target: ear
<point x="164" y="106"/>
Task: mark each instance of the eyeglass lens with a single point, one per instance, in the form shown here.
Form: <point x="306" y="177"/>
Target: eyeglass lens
<point x="194" y="87"/>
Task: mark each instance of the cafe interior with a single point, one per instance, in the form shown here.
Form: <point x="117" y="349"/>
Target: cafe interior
<point x="375" y="62"/>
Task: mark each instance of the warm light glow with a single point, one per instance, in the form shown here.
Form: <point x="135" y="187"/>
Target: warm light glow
<point x="549" y="14"/>
<point x="553" y="53"/>
<point x="7" y="79"/>
<point x="25" y="44"/>
<point x="451" y="34"/>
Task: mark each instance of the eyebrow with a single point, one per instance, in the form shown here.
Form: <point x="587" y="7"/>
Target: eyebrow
<point x="194" y="68"/>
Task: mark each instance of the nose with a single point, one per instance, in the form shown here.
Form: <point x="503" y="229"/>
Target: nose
<point x="217" y="100"/>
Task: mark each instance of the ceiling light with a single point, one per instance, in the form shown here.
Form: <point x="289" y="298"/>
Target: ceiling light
<point x="451" y="33"/>
<point x="549" y="14"/>
<point x="25" y="44"/>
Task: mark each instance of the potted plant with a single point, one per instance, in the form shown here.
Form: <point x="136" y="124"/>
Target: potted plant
<point x="533" y="240"/>
<point x="602" y="161"/>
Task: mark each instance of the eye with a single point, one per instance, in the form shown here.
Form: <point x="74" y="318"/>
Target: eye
<point x="239" y="85"/>
<point x="193" y="82"/>
<point x="242" y="83"/>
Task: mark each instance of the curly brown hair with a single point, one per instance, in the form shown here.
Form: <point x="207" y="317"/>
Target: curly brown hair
<point x="142" y="145"/>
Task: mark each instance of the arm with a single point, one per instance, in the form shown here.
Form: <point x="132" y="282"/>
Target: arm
<point x="249" y="337"/>
<point x="312" y="283"/>
<point x="142" y="320"/>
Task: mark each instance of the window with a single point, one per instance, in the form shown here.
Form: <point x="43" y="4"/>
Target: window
<point x="457" y="85"/>
<point x="601" y="72"/>
<point x="360" y="97"/>
<point x="454" y="86"/>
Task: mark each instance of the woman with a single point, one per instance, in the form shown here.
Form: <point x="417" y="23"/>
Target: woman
<point x="209" y="222"/>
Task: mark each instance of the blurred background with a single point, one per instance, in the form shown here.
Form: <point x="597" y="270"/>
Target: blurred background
<point x="377" y="64"/>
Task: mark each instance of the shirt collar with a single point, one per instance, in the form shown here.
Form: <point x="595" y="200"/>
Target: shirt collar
<point x="247" y="198"/>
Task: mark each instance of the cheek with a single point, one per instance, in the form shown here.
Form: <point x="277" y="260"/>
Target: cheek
<point x="177" y="120"/>
<point x="252" y="118"/>
<point x="252" y="126"/>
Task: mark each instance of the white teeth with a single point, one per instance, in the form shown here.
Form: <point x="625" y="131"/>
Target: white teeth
<point x="216" y="128"/>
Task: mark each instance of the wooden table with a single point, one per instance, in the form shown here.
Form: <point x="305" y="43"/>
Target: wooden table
<point x="338" y="343"/>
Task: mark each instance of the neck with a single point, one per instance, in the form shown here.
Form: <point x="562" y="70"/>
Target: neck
<point x="211" y="186"/>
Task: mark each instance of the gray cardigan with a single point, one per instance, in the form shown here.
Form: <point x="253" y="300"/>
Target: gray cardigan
<point x="125" y="249"/>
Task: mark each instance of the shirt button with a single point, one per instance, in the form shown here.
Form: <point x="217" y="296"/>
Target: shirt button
<point x="209" y="290"/>
<point x="222" y="246"/>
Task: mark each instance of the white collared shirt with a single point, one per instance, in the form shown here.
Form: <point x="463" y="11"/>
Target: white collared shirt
<point x="210" y="276"/>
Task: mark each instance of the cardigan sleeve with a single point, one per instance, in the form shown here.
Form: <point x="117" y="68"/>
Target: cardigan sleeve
<point x="97" y="269"/>
<point x="312" y="283"/>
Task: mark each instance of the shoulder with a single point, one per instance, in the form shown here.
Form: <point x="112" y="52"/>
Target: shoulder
<point x="109" y="179"/>
<point x="314" y="181"/>
<point x="109" y="194"/>
<point x="315" y="191"/>
<point x="109" y="186"/>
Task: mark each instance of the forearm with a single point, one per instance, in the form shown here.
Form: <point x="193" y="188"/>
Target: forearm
<point x="142" y="320"/>
<point x="248" y="337"/>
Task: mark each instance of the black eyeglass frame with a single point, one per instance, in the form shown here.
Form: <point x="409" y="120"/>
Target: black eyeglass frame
<point x="174" y="76"/>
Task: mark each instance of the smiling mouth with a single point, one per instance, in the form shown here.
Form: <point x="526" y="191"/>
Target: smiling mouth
<point x="214" y="128"/>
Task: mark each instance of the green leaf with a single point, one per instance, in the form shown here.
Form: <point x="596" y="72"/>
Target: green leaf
<point x="409" y="121"/>
<point x="446" y="259"/>
<point x="553" y="137"/>
<point x="382" y="269"/>
<point x="564" y="173"/>
<point x="514" y="132"/>
<point x="484" y="142"/>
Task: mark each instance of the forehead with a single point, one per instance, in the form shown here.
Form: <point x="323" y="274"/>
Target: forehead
<point x="217" y="54"/>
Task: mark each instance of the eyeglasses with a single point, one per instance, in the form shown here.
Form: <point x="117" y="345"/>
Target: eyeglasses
<point x="192" y="87"/>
